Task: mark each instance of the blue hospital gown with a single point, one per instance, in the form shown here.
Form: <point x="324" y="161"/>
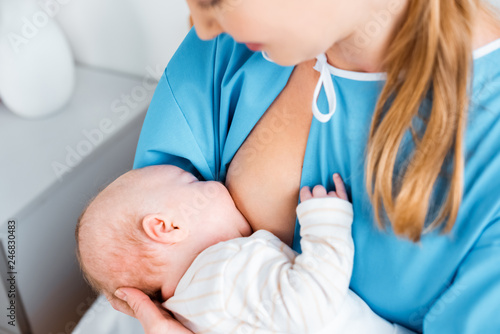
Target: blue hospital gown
<point x="213" y="93"/>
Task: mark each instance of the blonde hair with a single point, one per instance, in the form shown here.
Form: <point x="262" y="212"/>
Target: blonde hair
<point x="430" y="58"/>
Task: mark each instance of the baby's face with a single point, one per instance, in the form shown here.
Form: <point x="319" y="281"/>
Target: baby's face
<point x="179" y="217"/>
<point x="196" y="205"/>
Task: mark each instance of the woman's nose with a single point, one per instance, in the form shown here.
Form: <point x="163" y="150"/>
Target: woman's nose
<point x="208" y="29"/>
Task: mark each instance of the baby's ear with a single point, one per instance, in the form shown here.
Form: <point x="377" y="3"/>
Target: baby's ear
<point x="161" y="229"/>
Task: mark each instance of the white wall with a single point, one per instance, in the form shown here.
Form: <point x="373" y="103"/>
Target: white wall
<point x="124" y="35"/>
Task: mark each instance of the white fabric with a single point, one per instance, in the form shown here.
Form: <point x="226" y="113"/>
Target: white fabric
<point x="266" y="57"/>
<point x="325" y="80"/>
<point x="357" y="317"/>
<point x="486" y="49"/>
<point x="260" y="285"/>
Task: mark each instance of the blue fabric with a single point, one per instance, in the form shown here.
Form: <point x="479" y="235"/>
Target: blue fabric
<point x="214" y="92"/>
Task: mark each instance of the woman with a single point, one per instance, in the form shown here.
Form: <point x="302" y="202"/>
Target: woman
<point x="402" y="108"/>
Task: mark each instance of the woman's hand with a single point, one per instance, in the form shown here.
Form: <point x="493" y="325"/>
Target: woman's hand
<point x="320" y="191"/>
<point x="153" y="317"/>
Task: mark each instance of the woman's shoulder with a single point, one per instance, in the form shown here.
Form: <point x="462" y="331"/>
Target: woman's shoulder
<point x="210" y="96"/>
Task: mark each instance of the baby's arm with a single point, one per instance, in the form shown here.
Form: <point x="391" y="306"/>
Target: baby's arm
<point x="276" y="290"/>
<point x="327" y="245"/>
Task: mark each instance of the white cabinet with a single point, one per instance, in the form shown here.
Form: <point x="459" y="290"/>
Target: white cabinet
<point x="49" y="170"/>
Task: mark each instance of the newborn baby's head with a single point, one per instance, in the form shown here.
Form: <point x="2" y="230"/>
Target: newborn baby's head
<point x="145" y="229"/>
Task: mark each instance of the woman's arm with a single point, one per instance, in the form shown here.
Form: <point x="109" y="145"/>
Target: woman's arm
<point x="179" y="126"/>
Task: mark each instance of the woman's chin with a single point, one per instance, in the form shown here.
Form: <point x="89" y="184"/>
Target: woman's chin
<point x="287" y="60"/>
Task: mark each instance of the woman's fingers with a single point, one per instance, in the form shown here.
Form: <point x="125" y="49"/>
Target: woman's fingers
<point x="119" y="305"/>
<point x="152" y="319"/>
<point x="340" y="187"/>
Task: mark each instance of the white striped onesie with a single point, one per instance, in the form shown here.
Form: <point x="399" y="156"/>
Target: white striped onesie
<point x="260" y="285"/>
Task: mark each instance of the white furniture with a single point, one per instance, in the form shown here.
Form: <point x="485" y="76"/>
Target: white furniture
<point x="49" y="170"/>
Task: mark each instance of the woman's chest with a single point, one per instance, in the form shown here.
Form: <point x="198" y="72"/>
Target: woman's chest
<point x="264" y="175"/>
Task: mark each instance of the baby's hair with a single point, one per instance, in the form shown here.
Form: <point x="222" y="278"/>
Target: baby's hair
<point x="122" y="229"/>
<point x="94" y="284"/>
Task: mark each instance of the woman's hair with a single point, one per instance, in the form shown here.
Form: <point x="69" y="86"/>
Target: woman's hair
<point x="429" y="60"/>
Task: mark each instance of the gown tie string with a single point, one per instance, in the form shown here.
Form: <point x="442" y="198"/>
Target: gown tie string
<point x="325" y="80"/>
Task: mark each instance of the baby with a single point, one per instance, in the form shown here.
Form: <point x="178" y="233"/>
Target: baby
<point x="184" y="241"/>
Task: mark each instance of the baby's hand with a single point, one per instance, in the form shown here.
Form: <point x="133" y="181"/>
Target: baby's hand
<point x="319" y="191"/>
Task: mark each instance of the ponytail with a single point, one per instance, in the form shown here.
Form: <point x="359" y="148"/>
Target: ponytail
<point x="430" y="57"/>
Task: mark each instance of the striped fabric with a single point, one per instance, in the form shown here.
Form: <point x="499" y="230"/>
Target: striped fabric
<point x="260" y="285"/>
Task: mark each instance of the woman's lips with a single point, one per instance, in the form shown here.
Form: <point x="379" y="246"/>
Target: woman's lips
<point x="254" y="46"/>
